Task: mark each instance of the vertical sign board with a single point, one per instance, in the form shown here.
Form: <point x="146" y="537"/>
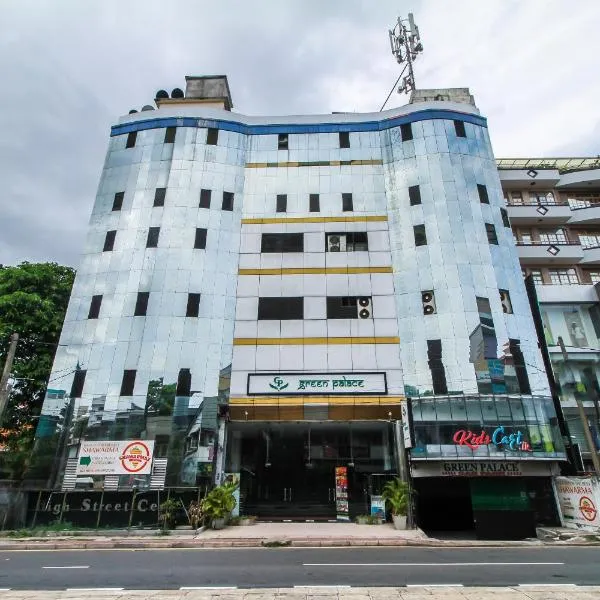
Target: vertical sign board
<point x="579" y="499"/>
<point x="407" y="425"/>
<point x="341" y="493"/>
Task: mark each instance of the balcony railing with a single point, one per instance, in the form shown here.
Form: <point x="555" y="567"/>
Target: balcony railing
<point x="540" y="243"/>
<point x="579" y="203"/>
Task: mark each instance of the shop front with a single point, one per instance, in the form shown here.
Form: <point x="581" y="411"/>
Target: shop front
<point x="485" y="463"/>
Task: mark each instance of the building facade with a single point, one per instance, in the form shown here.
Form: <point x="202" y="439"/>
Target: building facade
<point x="554" y="209"/>
<point x="259" y="297"/>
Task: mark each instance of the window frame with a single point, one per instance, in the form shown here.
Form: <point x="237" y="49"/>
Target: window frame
<point x="193" y="305"/>
<point x="280" y="308"/>
<point x="344" y="139"/>
<point x="170" y="133"/>
<point x="141" y="304"/>
<point x="95" y="306"/>
<point x="414" y="195"/>
<point x="347" y="202"/>
<point x="283" y="242"/>
<point x="492" y="235"/>
<point x="228" y="201"/>
<point x="314" y="203"/>
<point x="131" y="139"/>
<point x="128" y="382"/>
<point x="109" y="241"/>
<point x="118" y="201"/>
<point x="159" y="197"/>
<point x="153" y="237"/>
<point x="406" y="132"/>
<point x="459" y="128"/>
<point x="283" y="141"/>
<point x="483" y="193"/>
<point x="281" y="203"/>
<point x="200" y="238"/>
<point x="420" y="235"/>
<point x="212" y="136"/>
<point x="205" y="198"/>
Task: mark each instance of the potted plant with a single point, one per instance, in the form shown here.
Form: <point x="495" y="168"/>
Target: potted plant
<point x="395" y="494"/>
<point x="218" y="504"/>
<point x="167" y="513"/>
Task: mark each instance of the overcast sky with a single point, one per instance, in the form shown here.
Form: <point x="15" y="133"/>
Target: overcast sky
<point x="70" y="68"/>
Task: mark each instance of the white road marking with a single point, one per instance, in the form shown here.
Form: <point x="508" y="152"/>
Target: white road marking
<point x="69" y="567"/>
<point x="415" y="585"/>
<point x="547" y="585"/>
<point x="4" y="589"/>
<point x="321" y="587"/>
<point x="209" y="587"/>
<point x="463" y="564"/>
<point x="99" y="589"/>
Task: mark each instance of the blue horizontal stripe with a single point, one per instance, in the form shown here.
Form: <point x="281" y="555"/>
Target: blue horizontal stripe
<point x="274" y="128"/>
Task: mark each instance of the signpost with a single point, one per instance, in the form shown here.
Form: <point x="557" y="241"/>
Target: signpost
<point x="128" y="457"/>
<point x="579" y="500"/>
<point x="303" y="384"/>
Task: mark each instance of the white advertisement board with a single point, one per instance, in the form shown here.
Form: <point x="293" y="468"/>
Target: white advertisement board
<point x="290" y="384"/>
<point x="579" y="499"/>
<point x="115" y="457"/>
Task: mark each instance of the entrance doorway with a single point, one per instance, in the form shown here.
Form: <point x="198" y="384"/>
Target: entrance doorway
<point x="287" y="470"/>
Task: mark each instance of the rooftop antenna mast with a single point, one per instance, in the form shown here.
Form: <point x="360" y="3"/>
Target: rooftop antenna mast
<point x="406" y="46"/>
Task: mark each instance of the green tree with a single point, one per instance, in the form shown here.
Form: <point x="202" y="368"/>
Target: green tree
<point x="33" y="302"/>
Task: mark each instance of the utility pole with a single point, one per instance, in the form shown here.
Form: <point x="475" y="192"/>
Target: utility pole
<point x="14" y="339"/>
<point x="582" y="416"/>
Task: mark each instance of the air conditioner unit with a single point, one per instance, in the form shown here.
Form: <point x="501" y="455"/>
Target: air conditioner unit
<point x="336" y="243"/>
<point x="428" y="300"/>
<point x="505" y="300"/>
<point x="364" y="308"/>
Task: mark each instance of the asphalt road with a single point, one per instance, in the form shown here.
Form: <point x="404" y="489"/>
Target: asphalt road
<point x="289" y="567"/>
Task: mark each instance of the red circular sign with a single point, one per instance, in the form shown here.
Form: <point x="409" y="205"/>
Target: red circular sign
<point x="587" y="508"/>
<point x="135" y="457"/>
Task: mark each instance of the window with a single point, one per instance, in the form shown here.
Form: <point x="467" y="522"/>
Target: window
<point x="118" y="201"/>
<point x="420" y="235"/>
<point x="344" y="139"/>
<point x="544" y="198"/>
<point x="406" y="132"/>
<point x="128" y="382"/>
<point x="280" y="308"/>
<point x="95" y="307"/>
<point x="227" y="201"/>
<point x="563" y="276"/>
<point x="282" y="141"/>
<point x="314" y="203"/>
<point x="170" y="135"/>
<point x="436" y="366"/>
<point x="212" y="136"/>
<point x="131" y="138"/>
<point x="348" y="307"/>
<point x="491" y="233"/>
<point x="589" y="240"/>
<point x="205" y="198"/>
<point x="516" y="199"/>
<point x="347" y="203"/>
<point x="184" y="383"/>
<point x="557" y="236"/>
<point x="414" y="195"/>
<point x="78" y="382"/>
<point x="594" y="276"/>
<point x="193" y="305"/>
<point x="483" y="194"/>
<point x="459" y="128"/>
<point x="200" y="239"/>
<point x="350" y="241"/>
<point x="282" y="242"/>
<point x="505" y="301"/>
<point x="524" y="237"/>
<point x="109" y="241"/>
<point x="536" y="275"/>
<point x="159" y="196"/>
<point x="504" y="214"/>
<point x="141" y="304"/>
<point x="281" y="203"/>
<point x="152" y="239"/>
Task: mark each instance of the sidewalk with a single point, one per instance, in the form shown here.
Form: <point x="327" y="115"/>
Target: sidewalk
<point x="273" y="534"/>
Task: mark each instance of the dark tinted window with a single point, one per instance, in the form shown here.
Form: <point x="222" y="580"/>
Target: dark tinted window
<point x="483" y="194"/>
<point x="505" y="220"/>
<point x="78" y="381"/>
<point x="348" y="307"/>
<point x="205" y="198"/>
<point x="170" y="135"/>
<point x="141" y="304"/>
<point x="184" y="383"/>
<point x="109" y="241"/>
<point x="350" y="241"/>
<point x="152" y="240"/>
<point x="406" y="132"/>
<point x="131" y="137"/>
<point x="314" y="203"/>
<point x="212" y="136"/>
<point x="281" y="203"/>
<point x="227" y="201"/>
<point x="128" y="382"/>
<point x="414" y="194"/>
<point x="344" y="139"/>
<point x="118" y="201"/>
<point x="200" y="240"/>
<point x="347" y="204"/>
<point x="459" y="128"/>
<point x="491" y="233"/>
<point x="282" y="242"/>
<point x="282" y="141"/>
<point x="280" y="308"/>
<point x="159" y="196"/>
<point x="95" y="307"/>
<point x="420" y="235"/>
<point x="193" y="305"/>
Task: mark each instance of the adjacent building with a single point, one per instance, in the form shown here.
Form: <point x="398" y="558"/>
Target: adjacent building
<point x="259" y="297"/>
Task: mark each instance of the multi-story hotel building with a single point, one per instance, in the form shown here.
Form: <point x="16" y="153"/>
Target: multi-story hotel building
<point x="554" y="209"/>
<point x="259" y="296"/>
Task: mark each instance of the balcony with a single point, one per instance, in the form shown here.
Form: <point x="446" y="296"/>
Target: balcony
<point x="591" y="255"/>
<point x="531" y="214"/>
<point x="556" y="253"/>
<point x="585" y="209"/>
<point x="574" y="293"/>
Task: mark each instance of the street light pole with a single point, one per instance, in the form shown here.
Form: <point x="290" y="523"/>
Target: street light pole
<point x="14" y="339"/>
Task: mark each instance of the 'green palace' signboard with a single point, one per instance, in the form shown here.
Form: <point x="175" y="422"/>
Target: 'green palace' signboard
<point x="289" y="384"/>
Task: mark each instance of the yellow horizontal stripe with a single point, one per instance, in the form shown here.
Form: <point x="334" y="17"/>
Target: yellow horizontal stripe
<point x="303" y="400"/>
<point x="315" y="271"/>
<point x="316" y="163"/>
<point x="271" y="220"/>
<point x="314" y="341"/>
